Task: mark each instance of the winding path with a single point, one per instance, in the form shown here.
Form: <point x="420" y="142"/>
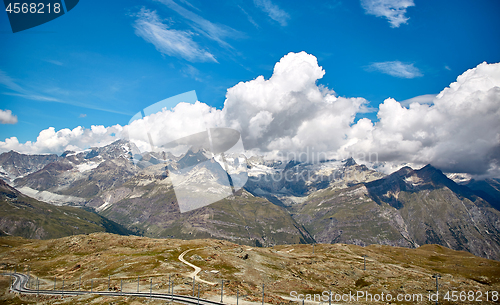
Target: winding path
<point x="196" y="268"/>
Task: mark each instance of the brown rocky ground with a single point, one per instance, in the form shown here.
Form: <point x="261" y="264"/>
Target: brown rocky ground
<point x="282" y="269"/>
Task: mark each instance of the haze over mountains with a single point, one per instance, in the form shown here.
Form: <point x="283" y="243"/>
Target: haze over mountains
<point x="334" y="201"/>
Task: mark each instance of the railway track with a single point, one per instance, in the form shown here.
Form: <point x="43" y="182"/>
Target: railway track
<point x="20" y="281"/>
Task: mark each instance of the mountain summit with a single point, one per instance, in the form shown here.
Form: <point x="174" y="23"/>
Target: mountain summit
<point x="407" y="208"/>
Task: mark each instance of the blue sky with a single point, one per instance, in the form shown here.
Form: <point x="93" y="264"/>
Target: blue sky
<point x="94" y="66"/>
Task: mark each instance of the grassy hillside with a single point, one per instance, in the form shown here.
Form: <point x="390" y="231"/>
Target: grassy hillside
<point x="24" y="216"/>
<point x="282" y="269"/>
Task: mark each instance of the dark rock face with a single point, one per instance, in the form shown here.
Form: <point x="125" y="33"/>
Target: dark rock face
<point x="488" y="189"/>
<point x="409" y="180"/>
<point x="45" y="178"/>
<point x="15" y="164"/>
<point x="191" y="159"/>
<point x="83" y="174"/>
<point x="407" y="208"/>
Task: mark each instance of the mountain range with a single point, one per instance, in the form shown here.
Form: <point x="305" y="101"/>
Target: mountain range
<point x="283" y="202"/>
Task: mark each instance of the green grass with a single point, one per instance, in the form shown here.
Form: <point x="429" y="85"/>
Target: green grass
<point x="30" y="218"/>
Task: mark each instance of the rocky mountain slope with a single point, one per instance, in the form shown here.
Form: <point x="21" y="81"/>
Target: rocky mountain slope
<point x="24" y="216"/>
<point x="407" y="208"/>
<point x="14" y="165"/>
<point x="488" y="189"/>
<point x="147" y="205"/>
<point x="141" y="197"/>
<point x="301" y="179"/>
<point x="75" y="178"/>
<point x="282" y="202"/>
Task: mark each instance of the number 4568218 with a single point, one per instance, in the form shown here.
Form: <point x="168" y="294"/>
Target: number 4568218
<point x="33" y="8"/>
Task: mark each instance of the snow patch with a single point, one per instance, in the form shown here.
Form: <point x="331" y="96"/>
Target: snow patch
<point x="105" y="205"/>
<point x="413" y="180"/>
<point x="87" y="166"/>
<point x="49" y="197"/>
<point x="79" y="152"/>
<point x="459" y="177"/>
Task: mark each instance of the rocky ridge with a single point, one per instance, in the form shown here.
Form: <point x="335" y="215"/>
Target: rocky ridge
<point x="282" y="202"/>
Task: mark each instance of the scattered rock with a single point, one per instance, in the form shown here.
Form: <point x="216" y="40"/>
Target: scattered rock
<point x="196" y="257"/>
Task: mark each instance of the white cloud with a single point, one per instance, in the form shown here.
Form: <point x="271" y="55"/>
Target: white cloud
<point x="274" y="11"/>
<point x="34" y="96"/>
<point x="169" y="42"/>
<point x="259" y="123"/>
<point x="11" y="84"/>
<point x="6" y="117"/>
<point x="20" y="91"/>
<point x="210" y="30"/>
<point x="393" y="10"/>
<point x="168" y="125"/>
<point x="250" y="19"/>
<point x="8" y="82"/>
<point x="396" y="69"/>
<point x="192" y="72"/>
<point x="289" y="112"/>
<point x="189" y="4"/>
<point x="458" y="131"/>
<point x="421" y="99"/>
<point x="51" y="141"/>
<point x="54" y="62"/>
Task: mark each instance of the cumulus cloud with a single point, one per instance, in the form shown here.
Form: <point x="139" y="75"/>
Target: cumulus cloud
<point x="396" y="68"/>
<point x="393" y="10"/>
<point x="166" y="125"/>
<point x="289" y="111"/>
<point x="457" y="130"/>
<point x="51" y="141"/>
<point x="167" y="41"/>
<point x="273" y="11"/>
<point x="6" y="117"/>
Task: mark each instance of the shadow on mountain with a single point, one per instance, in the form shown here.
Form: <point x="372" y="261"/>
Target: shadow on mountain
<point x="387" y="189"/>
